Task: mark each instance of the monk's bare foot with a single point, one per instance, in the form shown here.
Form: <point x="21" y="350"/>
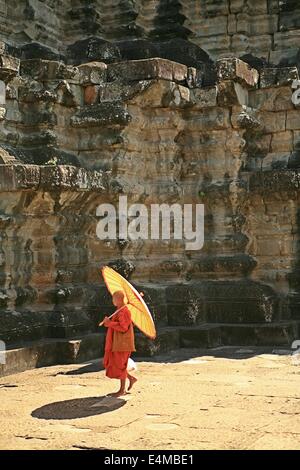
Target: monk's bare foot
<point x="120" y="393"/>
<point x="132" y="381"/>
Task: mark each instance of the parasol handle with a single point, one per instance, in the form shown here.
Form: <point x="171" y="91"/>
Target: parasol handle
<point x="101" y="324"/>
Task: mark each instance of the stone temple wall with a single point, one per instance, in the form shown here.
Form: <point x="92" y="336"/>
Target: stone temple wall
<point x="159" y="120"/>
<point x="269" y="29"/>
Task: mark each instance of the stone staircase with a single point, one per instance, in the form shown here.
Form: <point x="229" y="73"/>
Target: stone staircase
<point x="212" y="335"/>
<point x="49" y="352"/>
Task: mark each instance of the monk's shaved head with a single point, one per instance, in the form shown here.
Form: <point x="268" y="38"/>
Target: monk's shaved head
<point x="119" y="294"/>
<point x="118" y="298"/>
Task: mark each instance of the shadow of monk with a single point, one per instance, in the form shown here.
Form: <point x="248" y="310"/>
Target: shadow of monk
<point x="78" y="408"/>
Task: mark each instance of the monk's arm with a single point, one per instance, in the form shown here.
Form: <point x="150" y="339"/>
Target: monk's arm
<point x="123" y="323"/>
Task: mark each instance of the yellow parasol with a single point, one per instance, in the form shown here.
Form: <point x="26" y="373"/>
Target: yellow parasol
<point x="140" y="313"/>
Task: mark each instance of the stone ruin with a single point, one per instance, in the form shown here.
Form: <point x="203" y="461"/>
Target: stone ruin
<point x="187" y="101"/>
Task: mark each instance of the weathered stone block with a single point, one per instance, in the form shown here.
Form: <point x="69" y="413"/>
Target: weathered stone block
<point x="92" y="73"/>
<point x="268" y="335"/>
<point x="65" y="323"/>
<point x="210" y="119"/>
<point x="53" y="351"/>
<point x="278" y="160"/>
<point x="22" y="325"/>
<point x="272" y="99"/>
<point x="9" y="67"/>
<point x="273" y="6"/>
<point x="280" y="76"/>
<point x="212" y="8"/>
<point x="286" y="40"/>
<point x="235" y="69"/>
<point x="262" y="42"/>
<point x="104" y="114"/>
<point x="91" y="94"/>
<point x="240" y="44"/>
<point x="211" y="26"/>
<point x="93" y="49"/>
<point x="69" y="177"/>
<point x="232" y="24"/>
<point x="17" y="177"/>
<point x="147" y="69"/>
<point x="204" y="97"/>
<point x="237" y="263"/>
<point x="243" y="117"/>
<point x="185" y="305"/>
<point x="69" y="95"/>
<point x="47" y="70"/>
<point x="293" y="119"/>
<point x="284" y="57"/>
<point x="289" y="20"/>
<point x="196" y="77"/>
<point x="166" y="340"/>
<point x="200" y="337"/>
<point x="2" y="113"/>
<point x="273" y="122"/>
<point x="31" y="95"/>
<point x="282" y="142"/>
<point x="117" y="91"/>
<point x="254" y="7"/>
<point x="256" y="25"/>
<point x="231" y="93"/>
<point x="215" y="45"/>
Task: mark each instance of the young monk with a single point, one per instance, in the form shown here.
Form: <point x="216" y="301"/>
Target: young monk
<point x="119" y="344"/>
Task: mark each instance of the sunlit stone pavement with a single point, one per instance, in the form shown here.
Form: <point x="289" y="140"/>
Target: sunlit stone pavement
<point x="223" y="398"/>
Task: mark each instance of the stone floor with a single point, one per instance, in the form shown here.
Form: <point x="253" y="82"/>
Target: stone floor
<point x="223" y="398"/>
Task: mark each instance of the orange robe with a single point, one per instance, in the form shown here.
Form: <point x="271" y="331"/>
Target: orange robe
<point x="119" y="331"/>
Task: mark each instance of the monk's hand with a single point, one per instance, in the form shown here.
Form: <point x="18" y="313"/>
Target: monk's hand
<point x="106" y="321"/>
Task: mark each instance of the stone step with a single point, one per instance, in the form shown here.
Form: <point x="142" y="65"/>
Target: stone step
<point x="49" y="352"/>
<point x="212" y="335"/>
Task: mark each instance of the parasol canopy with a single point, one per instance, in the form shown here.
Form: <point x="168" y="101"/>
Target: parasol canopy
<point x="140" y="313"/>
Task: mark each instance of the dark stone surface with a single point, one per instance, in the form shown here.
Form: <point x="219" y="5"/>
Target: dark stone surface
<point x="64" y="323"/>
<point x="123" y="267"/>
<point x="238" y="263"/>
<point x="294" y="160"/>
<point x="93" y="49"/>
<point x="22" y="325"/>
<point x="184" y="52"/>
<point x="294" y="299"/>
<point x="267" y="335"/>
<point x="176" y="49"/>
<point x="185" y="304"/>
<point x="235" y="69"/>
<point x="258" y="63"/>
<point x="198" y="337"/>
<point x="169" y="21"/>
<point x="53" y="351"/>
<point x="9" y="67"/>
<point x="289" y="16"/>
<point x="137" y="49"/>
<point x="44" y="70"/>
<point x="35" y="50"/>
<point x="293" y="60"/>
<point x="288" y="5"/>
<point x="270" y="181"/>
<point x="241" y="301"/>
<point x="100" y="115"/>
<point x="278" y="76"/>
<point x="147" y="69"/>
<point x="166" y="340"/>
<point x="18" y="177"/>
<point x="49" y="155"/>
